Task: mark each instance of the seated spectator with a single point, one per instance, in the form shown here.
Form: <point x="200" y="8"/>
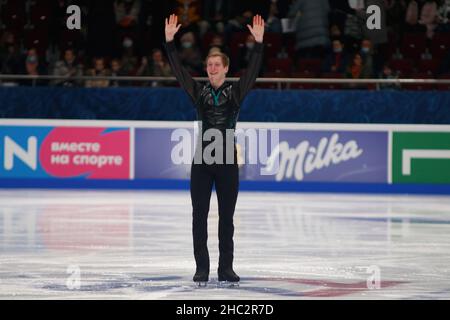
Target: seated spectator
<point x="33" y="67"/>
<point x="129" y="60"/>
<point x="218" y="42"/>
<point x="67" y="68"/>
<point x="10" y="60"/>
<point x="366" y="53"/>
<point x="243" y="58"/>
<point x="99" y="70"/>
<point x="357" y="70"/>
<point x="387" y="73"/>
<point x="245" y="52"/>
<point x="190" y="54"/>
<point x="117" y="71"/>
<point x="335" y="32"/>
<point x="155" y="66"/>
<point x="336" y="60"/>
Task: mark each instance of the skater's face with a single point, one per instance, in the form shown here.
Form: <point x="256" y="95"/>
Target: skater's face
<point x="216" y="70"/>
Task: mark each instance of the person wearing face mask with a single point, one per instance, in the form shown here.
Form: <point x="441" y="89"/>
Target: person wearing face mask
<point x="217" y="104"/>
<point x="366" y="53"/>
<point x="336" y="59"/>
<point x="32" y="67"/>
<point x="244" y="55"/>
<point x="190" y="54"/>
<point x="129" y="60"/>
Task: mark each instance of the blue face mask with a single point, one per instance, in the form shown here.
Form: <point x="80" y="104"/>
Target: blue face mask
<point x="32" y="59"/>
<point x="337" y="50"/>
<point x="365" y="50"/>
<point x="186" y="44"/>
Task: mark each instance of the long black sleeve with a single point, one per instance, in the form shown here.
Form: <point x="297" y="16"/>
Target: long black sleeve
<point x="191" y="86"/>
<point x="248" y="79"/>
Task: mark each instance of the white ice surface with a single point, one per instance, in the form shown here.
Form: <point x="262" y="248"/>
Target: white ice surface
<point x="138" y="245"/>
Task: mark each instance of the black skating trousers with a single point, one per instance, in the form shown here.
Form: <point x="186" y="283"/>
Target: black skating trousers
<point x="225" y="178"/>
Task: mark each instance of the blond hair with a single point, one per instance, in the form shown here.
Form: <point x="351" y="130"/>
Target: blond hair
<point x="223" y="56"/>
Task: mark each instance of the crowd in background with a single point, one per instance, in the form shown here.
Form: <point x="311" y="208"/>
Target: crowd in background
<point x="304" y="38"/>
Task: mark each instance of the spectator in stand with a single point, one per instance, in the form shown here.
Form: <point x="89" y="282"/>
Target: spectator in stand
<point x="127" y="13"/>
<point x="10" y="60"/>
<point x="129" y="60"/>
<point x="354" y="23"/>
<point x="238" y="23"/>
<point x="357" y="70"/>
<point x="244" y="54"/>
<point x="33" y="67"/>
<point x="336" y="60"/>
<point x="412" y="18"/>
<point x="117" y="71"/>
<point x="429" y="18"/>
<point x="218" y="42"/>
<point x="189" y="13"/>
<point x="335" y="33"/>
<point x="190" y="54"/>
<point x="99" y="70"/>
<point x="444" y="12"/>
<point x="311" y="24"/>
<point x="387" y="73"/>
<point x="273" y="23"/>
<point x="215" y="14"/>
<point x="67" y="68"/>
<point x="395" y="15"/>
<point x="155" y="66"/>
<point x="366" y="53"/>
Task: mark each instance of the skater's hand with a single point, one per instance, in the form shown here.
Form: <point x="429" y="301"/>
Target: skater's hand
<point x="258" y="28"/>
<point x="171" y="27"/>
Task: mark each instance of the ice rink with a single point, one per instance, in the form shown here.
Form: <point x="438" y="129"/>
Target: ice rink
<point x="137" y="245"/>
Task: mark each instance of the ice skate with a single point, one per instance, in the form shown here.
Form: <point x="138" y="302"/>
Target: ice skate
<point x="201" y="278"/>
<point x="228" y="278"/>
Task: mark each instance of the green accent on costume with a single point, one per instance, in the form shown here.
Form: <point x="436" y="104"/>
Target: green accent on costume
<point x="216" y="97"/>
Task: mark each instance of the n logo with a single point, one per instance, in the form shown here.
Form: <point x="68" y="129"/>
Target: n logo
<point x="28" y="156"/>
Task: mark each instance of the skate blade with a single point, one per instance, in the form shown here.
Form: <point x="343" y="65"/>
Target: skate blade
<point x="228" y="284"/>
<point x="202" y="284"/>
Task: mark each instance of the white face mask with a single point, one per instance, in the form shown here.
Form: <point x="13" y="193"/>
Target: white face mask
<point x="250" y="45"/>
<point x="127" y="43"/>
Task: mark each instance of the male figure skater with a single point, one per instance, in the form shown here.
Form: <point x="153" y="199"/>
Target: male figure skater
<point x="217" y="103"/>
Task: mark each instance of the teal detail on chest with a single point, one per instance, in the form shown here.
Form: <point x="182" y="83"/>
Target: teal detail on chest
<point x="216" y="96"/>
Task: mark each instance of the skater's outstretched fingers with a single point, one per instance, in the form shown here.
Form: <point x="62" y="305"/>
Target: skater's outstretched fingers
<point x="257" y="30"/>
<point x="172" y="27"/>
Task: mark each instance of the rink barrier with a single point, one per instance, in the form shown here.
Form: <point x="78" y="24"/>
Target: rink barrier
<point x="265" y="186"/>
<point x="131" y="155"/>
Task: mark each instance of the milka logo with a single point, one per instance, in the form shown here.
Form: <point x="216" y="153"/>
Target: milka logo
<point x="304" y="159"/>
